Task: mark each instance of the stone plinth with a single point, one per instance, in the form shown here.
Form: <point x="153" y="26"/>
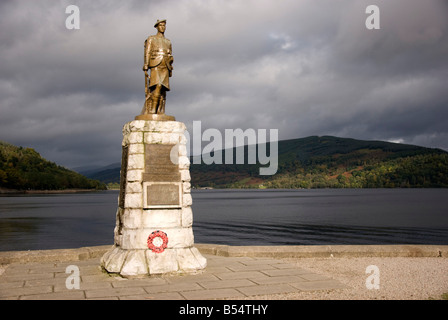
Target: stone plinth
<point x="153" y="232"/>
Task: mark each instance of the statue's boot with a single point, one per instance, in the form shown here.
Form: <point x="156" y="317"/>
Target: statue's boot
<point x="162" y="105"/>
<point x="155" y="103"/>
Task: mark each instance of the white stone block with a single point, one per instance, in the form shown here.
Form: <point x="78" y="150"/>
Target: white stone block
<point x="105" y="258"/>
<point x="132" y="218"/>
<point x="184" y="162"/>
<point x="152" y="126"/>
<point x="136" y="148"/>
<point x="186" y="187"/>
<point x="182" y="150"/>
<point x="115" y="260"/>
<point x="168" y="218"/>
<point x="187" y="217"/>
<point x="135" y="137"/>
<point x="185" y="175"/>
<point x="153" y="137"/>
<point x="133" y="200"/>
<point x="180" y="237"/>
<point x="135" y="264"/>
<point x="134" y="175"/>
<point x="166" y="138"/>
<point x="173" y="138"/>
<point x="136" y="161"/>
<point x="182" y="139"/>
<point x="187" y="200"/>
<point x="202" y="261"/>
<point x="126" y="129"/>
<point x="130" y="240"/>
<point x="187" y="260"/>
<point x="177" y="126"/>
<point x="163" y="262"/>
<point x="134" y="187"/>
<point x="136" y="125"/>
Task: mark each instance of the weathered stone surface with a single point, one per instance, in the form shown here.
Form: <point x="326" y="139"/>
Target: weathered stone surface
<point x="188" y="261"/>
<point x="134" y="187"/>
<point x="135" y="137"/>
<point x="154" y="218"/>
<point x="185" y="175"/>
<point x="134" y="175"/>
<point x="115" y="260"/>
<point x="187" y="217"/>
<point x="186" y="187"/>
<point x="155" y="164"/>
<point x="133" y="200"/>
<point x="135" y="264"/>
<point x="136" y="161"/>
<point x="136" y="148"/>
<point x="187" y="200"/>
<point x="184" y="162"/>
<point x="164" y="262"/>
<point x="199" y="257"/>
<point x="132" y="218"/>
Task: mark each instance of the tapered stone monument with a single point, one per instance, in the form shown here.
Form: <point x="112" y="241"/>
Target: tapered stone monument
<point x="153" y="232"/>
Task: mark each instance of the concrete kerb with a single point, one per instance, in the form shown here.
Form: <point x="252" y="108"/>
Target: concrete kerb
<point x="322" y="251"/>
<point x="55" y="255"/>
<point x="85" y="253"/>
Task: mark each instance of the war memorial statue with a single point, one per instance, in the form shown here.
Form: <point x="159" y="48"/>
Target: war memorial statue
<point x="158" y="59"/>
<point x="153" y="233"/>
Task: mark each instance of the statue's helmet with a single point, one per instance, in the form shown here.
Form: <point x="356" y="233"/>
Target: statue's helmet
<point x="158" y="21"/>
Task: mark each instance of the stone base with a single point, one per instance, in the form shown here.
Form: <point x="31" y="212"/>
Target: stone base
<point x="138" y="262"/>
<point x="153" y="232"/>
<point x="155" y="117"/>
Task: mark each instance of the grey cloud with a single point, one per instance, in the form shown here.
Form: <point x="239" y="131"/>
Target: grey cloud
<point x="303" y="67"/>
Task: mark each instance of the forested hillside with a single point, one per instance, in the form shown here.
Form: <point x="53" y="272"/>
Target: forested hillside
<point x="332" y="162"/>
<point x="323" y="162"/>
<point x="25" y="169"/>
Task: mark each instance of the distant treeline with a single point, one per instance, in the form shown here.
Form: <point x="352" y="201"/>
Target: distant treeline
<point x="332" y="162"/>
<point x="421" y="171"/>
<point x="25" y="169"/>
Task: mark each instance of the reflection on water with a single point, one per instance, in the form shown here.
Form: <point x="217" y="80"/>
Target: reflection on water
<point x="239" y="217"/>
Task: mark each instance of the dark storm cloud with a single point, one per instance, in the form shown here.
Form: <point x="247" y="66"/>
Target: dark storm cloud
<point x="303" y="67"/>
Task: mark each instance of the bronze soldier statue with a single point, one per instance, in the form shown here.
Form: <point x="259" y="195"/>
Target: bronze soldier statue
<point x="158" y="59"/>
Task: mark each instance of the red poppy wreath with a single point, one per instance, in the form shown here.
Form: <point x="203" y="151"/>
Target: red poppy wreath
<point x="157" y="241"/>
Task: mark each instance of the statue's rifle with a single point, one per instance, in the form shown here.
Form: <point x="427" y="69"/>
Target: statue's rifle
<point x="146" y="84"/>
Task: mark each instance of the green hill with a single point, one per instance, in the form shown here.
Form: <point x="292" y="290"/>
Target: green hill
<point x="324" y="162"/>
<point x="332" y="162"/>
<point x="25" y="169"/>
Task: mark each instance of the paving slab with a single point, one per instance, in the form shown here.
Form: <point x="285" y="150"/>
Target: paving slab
<point x="224" y="278"/>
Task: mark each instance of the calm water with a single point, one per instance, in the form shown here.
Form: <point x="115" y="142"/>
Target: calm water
<point x="240" y="217"/>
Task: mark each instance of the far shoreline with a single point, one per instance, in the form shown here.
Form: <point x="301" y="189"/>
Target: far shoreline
<point x="5" y="191"/>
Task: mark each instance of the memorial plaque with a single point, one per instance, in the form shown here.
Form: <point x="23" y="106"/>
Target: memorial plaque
<point x="162" y="195"/>
<point x="158" y="164"/>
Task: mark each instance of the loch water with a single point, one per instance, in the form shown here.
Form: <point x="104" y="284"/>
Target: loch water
<point x="239" y="217"/>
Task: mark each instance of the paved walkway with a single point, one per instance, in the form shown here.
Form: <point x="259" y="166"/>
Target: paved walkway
<point x="224" y="278"/>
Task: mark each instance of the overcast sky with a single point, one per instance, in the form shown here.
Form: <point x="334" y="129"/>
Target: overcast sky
<point x="302" y="67"/>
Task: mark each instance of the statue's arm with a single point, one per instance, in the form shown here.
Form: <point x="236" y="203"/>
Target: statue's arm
<point x="147" y="52"/>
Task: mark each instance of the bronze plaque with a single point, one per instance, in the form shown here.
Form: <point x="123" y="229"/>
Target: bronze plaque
<point x="163" y="194"/>
<point x="158" y="164"/>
